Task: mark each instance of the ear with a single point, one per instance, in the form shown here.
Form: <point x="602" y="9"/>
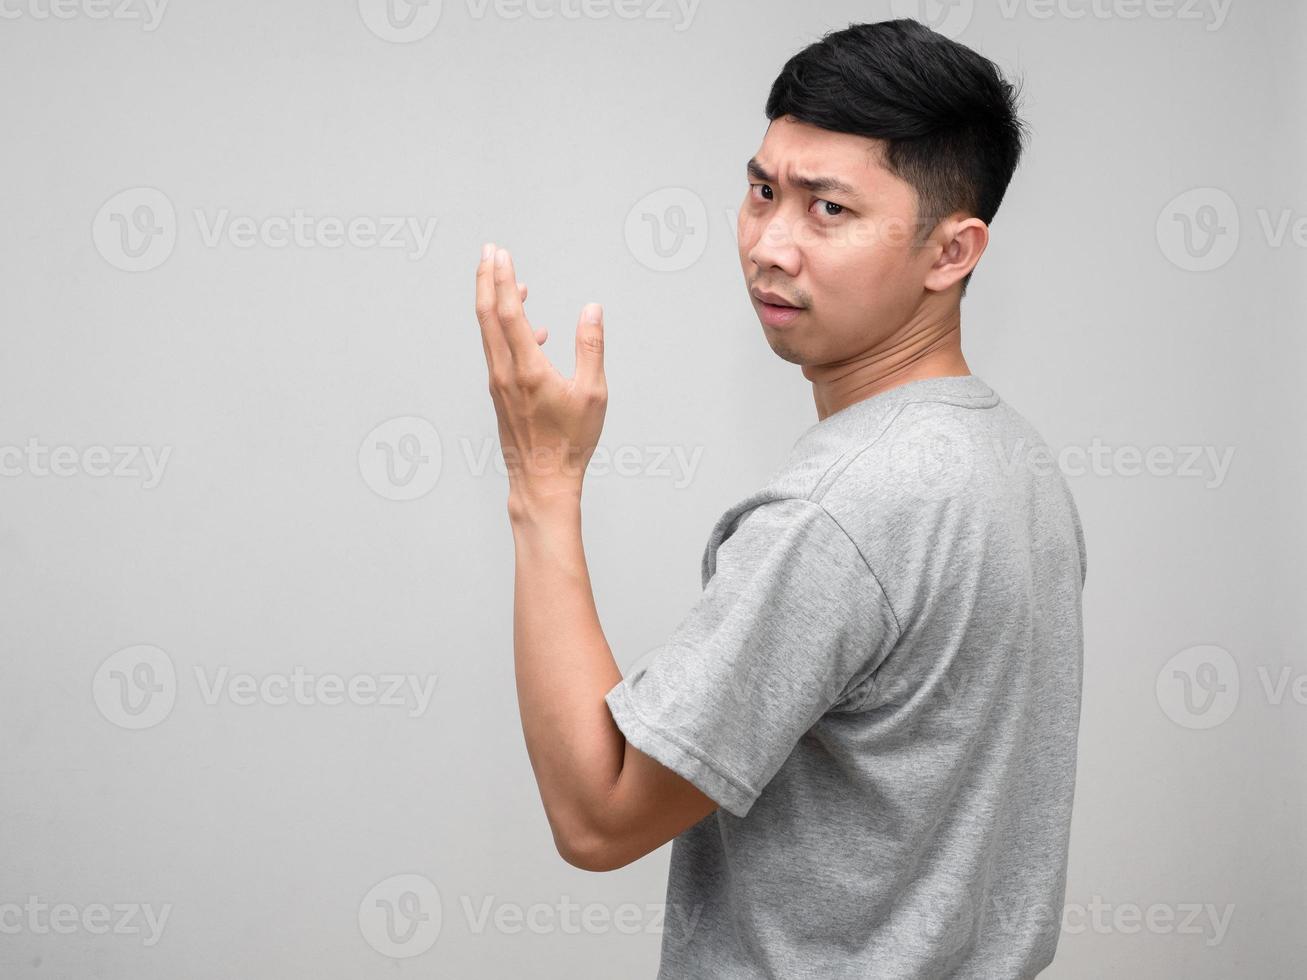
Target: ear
<point x="963" y="240"/>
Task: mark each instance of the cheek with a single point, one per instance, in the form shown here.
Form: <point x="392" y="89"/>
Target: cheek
<point x="893" y="239"/>
<point x="743" y="220"/>
<point x="883" y="263"/>
<point x="746" y="232"/>
<point x="851" y="267"/>
<point x="857" y="279"/>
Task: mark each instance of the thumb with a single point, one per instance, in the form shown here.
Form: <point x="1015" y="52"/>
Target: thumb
<point x="590" y="346"/>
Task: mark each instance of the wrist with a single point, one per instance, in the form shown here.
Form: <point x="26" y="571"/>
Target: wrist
<point x="532" y="505"/>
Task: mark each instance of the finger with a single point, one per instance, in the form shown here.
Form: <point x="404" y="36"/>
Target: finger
<point x="542" y="334"/>
<point x="492" y="334"/>
<point x="508" y="307"/>
<point x="521" y="288"/>
<point x="590" y="347"/>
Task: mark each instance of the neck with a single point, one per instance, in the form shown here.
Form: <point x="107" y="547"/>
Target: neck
<point x="920" y="350"/>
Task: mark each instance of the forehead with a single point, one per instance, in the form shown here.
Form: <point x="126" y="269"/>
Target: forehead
<point x="804" y="155"/>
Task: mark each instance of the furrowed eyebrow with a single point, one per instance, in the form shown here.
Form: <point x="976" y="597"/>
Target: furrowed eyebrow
<point x="818" y="185"/>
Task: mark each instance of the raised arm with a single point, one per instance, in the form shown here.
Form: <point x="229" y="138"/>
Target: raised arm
<point x="606" y="802"/>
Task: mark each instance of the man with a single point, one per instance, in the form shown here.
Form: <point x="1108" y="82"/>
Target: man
<point x="863" y="736"/>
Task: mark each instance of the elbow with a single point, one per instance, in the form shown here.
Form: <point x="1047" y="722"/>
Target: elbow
<point x="586" y="860"/>
<point x="587" y="849"/>
<point x="599" y="857"/>
<point x="586" y="852"/>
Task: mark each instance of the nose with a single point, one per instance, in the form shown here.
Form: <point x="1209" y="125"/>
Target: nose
<point x="775" y="246"/>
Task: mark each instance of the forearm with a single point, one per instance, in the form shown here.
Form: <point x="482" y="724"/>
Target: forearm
<point x="564" y="668"/>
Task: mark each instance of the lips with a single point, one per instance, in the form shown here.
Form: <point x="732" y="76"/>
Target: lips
<point x="778" y="316"/>
<point x="774" y="299"/>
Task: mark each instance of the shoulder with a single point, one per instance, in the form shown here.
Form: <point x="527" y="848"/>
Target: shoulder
<point x="771" y="521"/>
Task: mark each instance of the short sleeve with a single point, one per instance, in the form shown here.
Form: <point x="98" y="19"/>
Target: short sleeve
<point x="790" y="624"/>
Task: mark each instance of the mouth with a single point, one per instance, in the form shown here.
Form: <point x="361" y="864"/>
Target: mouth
<point x="774" y="310"/>
<point x="775" y="300"/>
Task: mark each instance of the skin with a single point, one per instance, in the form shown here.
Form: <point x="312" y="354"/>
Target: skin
<point x="607" y="803"/>
<point x="879" y="311"/>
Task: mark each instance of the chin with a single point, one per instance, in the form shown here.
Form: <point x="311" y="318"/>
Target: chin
<point x="785" y="352"/>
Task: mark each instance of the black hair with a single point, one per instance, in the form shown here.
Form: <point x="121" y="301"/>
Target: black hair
<point x="946" y="114"/>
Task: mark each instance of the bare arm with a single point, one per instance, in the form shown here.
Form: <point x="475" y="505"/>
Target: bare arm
<point x="564" y="668"/>
<point x="606" y="802"/>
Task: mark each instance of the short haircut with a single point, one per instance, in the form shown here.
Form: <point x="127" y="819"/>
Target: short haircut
<point x="946" y="114"/>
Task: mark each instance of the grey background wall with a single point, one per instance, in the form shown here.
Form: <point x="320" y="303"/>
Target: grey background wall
<point x="250" y="459"/>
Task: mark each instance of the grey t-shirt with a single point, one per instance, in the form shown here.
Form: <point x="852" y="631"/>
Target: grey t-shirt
<point x="880" y="687"/>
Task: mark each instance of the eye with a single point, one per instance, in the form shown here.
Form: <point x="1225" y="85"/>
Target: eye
<point x="768" y="195"/>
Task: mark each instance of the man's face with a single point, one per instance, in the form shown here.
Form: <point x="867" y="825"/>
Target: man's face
<point x="844" y="251"/>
